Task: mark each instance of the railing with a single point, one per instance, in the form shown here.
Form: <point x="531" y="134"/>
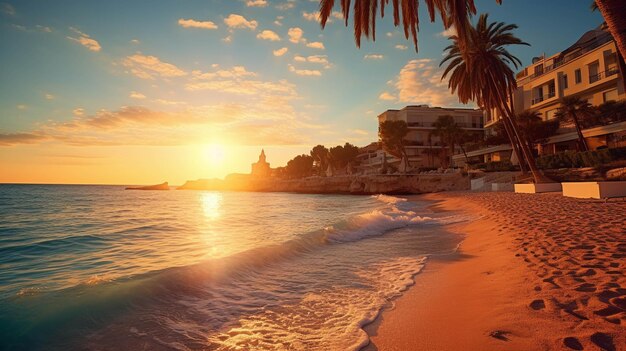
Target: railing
<point x="541" y="98"/>
<point x="570" y="57"/>
<point x="596" y="77"/>
<point x="430" y="125"/>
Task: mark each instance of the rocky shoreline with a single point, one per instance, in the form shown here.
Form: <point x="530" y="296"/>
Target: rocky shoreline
<point x="348" y="184"/>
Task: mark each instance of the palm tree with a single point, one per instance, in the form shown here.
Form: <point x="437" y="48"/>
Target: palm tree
<point x="453" y="13"/>
<point x="447" y="130"/>
<point x="528" y="122"/>
<point x="613" y="12"/>
<point x="571" y="110"/>
<point x="483" y="74"/>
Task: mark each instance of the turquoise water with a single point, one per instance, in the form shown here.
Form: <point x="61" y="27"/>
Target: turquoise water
<point x="97" y="267"/>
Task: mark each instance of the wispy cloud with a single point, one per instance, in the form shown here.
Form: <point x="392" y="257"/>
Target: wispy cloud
<point x="419" y="81"/>
<point x="401" y="47"/>
<point x="268" y="35"/>
<point x="85" y="40"/>
<point x="315" y="16"/>
<point x="238" y="80"/>
<point x="49" y="96"/>
<point x="150" y="67"/>
<point x="191" y="23"/>
<point x="373" y="57"/>
<point x="311" y="16"/>
<point x="386" y="96"/>
<point x="321" y="59"/>
<point x="304" y="72"/>
<point x="316" y="45"/>
<point x="256" y="3"/>
<point x="10" y="139"/>
<point x="295" y="35"/>
<point x="448" y="32"/>
<point x="7" y="9"/>
<point x="238" y="21"/>
<point x="289" y="4"/>
<point x="280" y="52"/>
<point x="136" y="95"/>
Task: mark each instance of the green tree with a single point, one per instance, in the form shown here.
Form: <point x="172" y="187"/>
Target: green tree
<point x="320" y="156"/>
<point x="610" y="112"/>
<point x="300" y="166"/>
<point x="534" y="130"/>
<point x="572" y="110"/>
<point x="392" y="134"/>
<point x="341" y="156"/>
<point x="482" y="74"/>
<point x="448" y="131"/>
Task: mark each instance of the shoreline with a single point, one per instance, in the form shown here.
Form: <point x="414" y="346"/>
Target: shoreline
<point x="503" y="289"/>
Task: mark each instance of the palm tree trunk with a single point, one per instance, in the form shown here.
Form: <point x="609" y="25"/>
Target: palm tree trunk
<point x="581" y="138"/>
<point x="464" y="154"/>
<point x="514" y="144"/>
<point x="537" y="175"/>
<point x="505" y="110"/>
<point x="613" y="12"/>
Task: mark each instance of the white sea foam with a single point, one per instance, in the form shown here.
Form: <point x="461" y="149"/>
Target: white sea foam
<point x="389" y="199"/>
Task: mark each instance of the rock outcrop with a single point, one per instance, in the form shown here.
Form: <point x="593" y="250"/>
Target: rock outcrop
<point x="349" y="184"/>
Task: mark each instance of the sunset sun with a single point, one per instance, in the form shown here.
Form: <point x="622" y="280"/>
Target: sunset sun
<point x="215" y="154"/>
<point x="278" y="175"/>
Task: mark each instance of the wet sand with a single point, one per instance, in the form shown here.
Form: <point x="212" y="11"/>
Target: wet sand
<point x="535" y="272"/>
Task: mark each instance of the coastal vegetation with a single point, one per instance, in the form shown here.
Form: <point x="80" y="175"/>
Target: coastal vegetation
<point x="449" y="133"/>
<point x="534" y="130"/>
<point x="339" y="158"/>
<point x="391" y="135"/>
<point x="483" y="75"/>
<point x="572" y="110"/>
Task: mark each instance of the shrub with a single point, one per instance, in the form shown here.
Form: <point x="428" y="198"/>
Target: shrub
<point x="573" y="159"/>
<point x="496" y="166"/>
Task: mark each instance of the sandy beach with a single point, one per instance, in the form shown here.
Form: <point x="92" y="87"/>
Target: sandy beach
<point x="535" y="272"/>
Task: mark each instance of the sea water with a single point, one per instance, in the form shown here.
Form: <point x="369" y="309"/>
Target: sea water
<point x="101" y="268"/>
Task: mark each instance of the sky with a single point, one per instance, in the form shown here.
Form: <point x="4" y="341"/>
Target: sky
<point x="146" y="91"/>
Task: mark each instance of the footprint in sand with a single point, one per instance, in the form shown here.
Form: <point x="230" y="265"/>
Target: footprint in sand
<point x="537" y="305"/>
<point x="604" y="341"/>
<point x="572" y="343"/>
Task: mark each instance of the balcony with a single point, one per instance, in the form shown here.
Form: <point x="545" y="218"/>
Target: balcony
<point x="560" y="61"/>
<point x="542" y="98"/>
<point x="602" y="75"/>
<point x="430" y="125"/>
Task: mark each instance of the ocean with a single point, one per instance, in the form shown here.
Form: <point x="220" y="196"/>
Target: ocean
<point x="101" y="268"/>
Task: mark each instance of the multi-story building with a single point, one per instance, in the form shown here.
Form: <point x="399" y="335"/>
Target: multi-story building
<point x="422" y="148"/>
<point x="589" y="69"/>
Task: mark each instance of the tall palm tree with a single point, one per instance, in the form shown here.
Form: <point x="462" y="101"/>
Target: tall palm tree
<point x="483" y="74"/>
<point x="453" y="13"/>
<point x="572" y="110"/>
<point x="614" y="12"/>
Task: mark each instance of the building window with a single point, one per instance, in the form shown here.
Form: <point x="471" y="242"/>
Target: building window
<point x="550" y="114"/>
<point x="578" y="76"/>
<point x="565" y="83"/>
<point x="610" y="95"/>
